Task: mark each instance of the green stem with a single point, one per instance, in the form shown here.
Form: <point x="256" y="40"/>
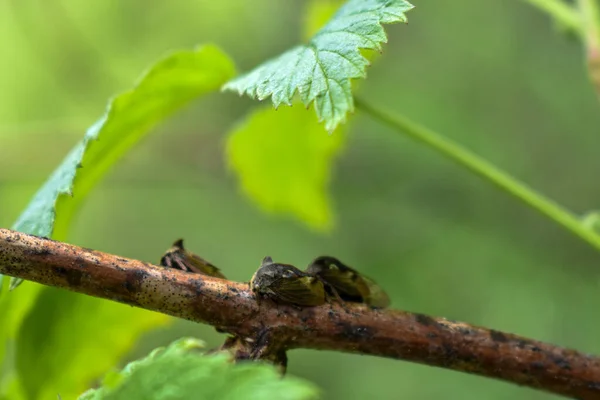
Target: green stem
<point x="561" y="12"/>
<point x="484" y="169"/>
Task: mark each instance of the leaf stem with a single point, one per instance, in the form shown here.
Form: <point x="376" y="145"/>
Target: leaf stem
<point x="486" y="170"/>
<point x="561" y="12"/>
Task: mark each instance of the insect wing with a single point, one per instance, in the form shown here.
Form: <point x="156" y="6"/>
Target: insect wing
<point x="349" y="284"/>
<point x="200" y="265"/>
<point x="179" y="258"/>
<point x="304" y="291"/>
<point x="377" y="297"/>
<point x="346" y="282"/>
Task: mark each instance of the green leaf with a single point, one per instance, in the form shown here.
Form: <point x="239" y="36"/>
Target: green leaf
<point x="168" y="86"/>
<point x="175" y="373"/>
<point x="321" y="70"/>
<point x="13" y="308"/>
<point x="68" y="340"/>
<point x="283" y="160"/>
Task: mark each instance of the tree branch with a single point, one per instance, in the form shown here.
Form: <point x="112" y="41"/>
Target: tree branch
<point x="271" y="330"/>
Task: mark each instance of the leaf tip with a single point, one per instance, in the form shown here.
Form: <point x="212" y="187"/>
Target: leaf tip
<point x="14" y="283"/>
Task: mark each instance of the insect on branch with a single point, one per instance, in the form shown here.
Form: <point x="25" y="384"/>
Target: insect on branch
<point x="267" y="330"/>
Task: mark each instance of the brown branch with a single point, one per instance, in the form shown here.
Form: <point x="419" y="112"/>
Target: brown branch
<point x="269" y="330"/>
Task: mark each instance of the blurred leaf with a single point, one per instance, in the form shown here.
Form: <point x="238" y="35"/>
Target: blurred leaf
<point x="321" y="71"/>
<point x="13" y="308"/>
<point x="283" y="160"/>
<point x="175" y="373"/>
<point x="65" y="361"/>
<point x="168" y="86"/>
<point x="68" y="340"/>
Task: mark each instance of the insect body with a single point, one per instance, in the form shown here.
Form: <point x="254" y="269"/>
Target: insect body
<point x="179" y="258"/>
<point x="349" y="283"/>
<point x="285" y="283"/>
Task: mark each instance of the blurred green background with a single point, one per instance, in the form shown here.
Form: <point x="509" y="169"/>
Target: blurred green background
<point x="496" y="76"/>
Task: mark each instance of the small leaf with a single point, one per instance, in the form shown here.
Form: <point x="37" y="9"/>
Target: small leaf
<point x="168" y="86"/>
<point x="283" y="160"/>
<point x="321" y="70"/>
<point x="178" y="374"/>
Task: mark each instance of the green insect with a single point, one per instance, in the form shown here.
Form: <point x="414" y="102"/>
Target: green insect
<point x="285" y="283"/>
<point x="349" y="284"/>
<point x="178" y="257"/>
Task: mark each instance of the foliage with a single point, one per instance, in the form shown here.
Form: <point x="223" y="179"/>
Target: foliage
<point x="283" y="160"/>
<point x="56" y="359"/>
<point x="168" y="86"/>
<point x="321" y="70"/>
<point x="175" y="372"/>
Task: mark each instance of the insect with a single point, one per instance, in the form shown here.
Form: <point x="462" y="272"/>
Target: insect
<point x="285" y="283"/>
<point x="349" y="284"/>
<point x="179" y="258"/>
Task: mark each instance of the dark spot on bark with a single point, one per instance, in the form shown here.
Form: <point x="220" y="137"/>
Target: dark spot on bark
<point x="355" y="331"/>
<point x="234" y="290"/>
<point x="80" y="262"/>
<point x="522" y="344"/>
<point x="465" y="331"/>
<point x="450" y="354"/>
<point x="537" y="365"/>
<point x="424" y="320"/>
<point x="87" y="249"/>
<point x="134" y="280"/>
<point x="72" y="276"/>
<point x="498" y="336"/>
<point x="37" y="252"/>
<point x="124" y="261"/>
<point x="560" y="362"/>
<point x="198" y="285"/>
<point x="432" y="335"/>
<point x="536" y="349"/>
